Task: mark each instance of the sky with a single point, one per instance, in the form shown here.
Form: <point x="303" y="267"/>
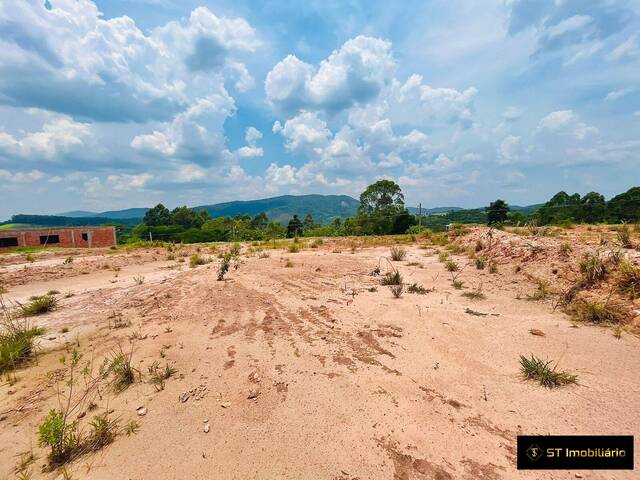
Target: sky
<point x="110" y="104"/>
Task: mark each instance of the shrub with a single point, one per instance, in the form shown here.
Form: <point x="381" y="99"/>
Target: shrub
<point x="391" y="278"/>
<point x="624" y="237"/>
<point x="39" y="305"/>
<point x="397" y="290"/>
<point x="415" y="288"/>
<point x="593" y="267"/>
<point x="536" y="369"/>
<point x="294" y="247"/>
<point x="224" y="266"/>
<point x="120" y="368"/>
<point x="196" y="260"/>
<point x="480" y="263"/>
<point x="451" y="266"/>
<point x="565" y="249"/>
<point x="596" y="311"/>
<point x="398" y="253"/>
<point x="628" y="280"/>
<point x="60" y="435"/>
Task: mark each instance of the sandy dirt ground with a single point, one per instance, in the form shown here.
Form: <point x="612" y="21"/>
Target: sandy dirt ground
<point x="302" y="366"/>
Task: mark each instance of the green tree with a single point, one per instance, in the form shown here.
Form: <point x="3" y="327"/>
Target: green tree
<point x="593" y="208"/>
<point x="185" y="217"/>
<point x="625" y="207"/>
<point x="308" y="223"/>
<point x="381" y="198"/>
<point x="156" y="216"/>
<point x="274" y="230"/>
<point x="497" y="212"/>
<point x="295" y="227"/>
<point x="260" y="221"/>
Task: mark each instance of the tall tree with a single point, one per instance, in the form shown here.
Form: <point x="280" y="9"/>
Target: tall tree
<point x="381" y="198"/>
<point x="295" y="227"/>
<point x="308" y="223"/>
<point x="275" y="230"/>
<point x="497" y="212"/>
<point x="593" y="208"/>
<point x="156" y="216"/>
<point x="260" y="221"/>
<point x="185" y="217"/>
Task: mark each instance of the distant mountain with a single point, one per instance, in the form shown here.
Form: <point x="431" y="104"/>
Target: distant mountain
<point x="323" y="208"/>
<point x="112" y="214"/>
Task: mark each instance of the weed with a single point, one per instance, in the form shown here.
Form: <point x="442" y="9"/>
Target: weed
<point x="375" y="272"/>
<point x="60" y="435"/>
<point x="628" y="280"/>
<point x="624" y="237"/>
<point x="30" y="258"/>
<point x="17" y="339"/>
<point x="158" y="375"/>
<point x="39" y="305"/>
<point x="68" y="261"/>
<point x="596" y="311"/>
<point x="541" y="292"/>
<point x="171" y="256"/>
<point x="416" y="288"/>
<point x="493" y="267"/>
<point x="224" y="266"/>
<point x="397" y="290"/>
<point x="457" y="284"/>
<point x="132" y="427"/>
<point x="536" y="369"/>
<point x="414" y="264"/>
<point x="316" y="243"/>
<point x="196" y="259"/>
<point x="234" y="250"/>
<point x="103" y="431"/>
<point x="120" y="368"/>
<point x="475" y="294"/>
<point x="264" y="254"/>
<point x="398" y="253"/>
<point x="117" y="320"/>
<point x="372" y="289"/>
<point x="391" y="278"/>
<point x="480" y="263"/>
<point x="294" y="248"/>
<point x="288" y="264"/>
<point x="139" y="280"/>
<point x="593" y="267"/>
<point x="451" y="266"/>
<point x="565" y="249"/>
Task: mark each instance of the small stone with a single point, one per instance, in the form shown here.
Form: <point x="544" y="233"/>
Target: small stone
<point x="578" y="475"/>
<point x="225" y="404"/>
<point x="206" y="428"/>
<point x="142" y="411"/>
<point x="253" y="394"/>
<point x="82" y="414"/>
<point x="51" y="338"/>
<point x="184" y="397"/>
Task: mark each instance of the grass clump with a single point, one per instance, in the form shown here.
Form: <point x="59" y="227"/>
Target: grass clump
<point x="475" y="294"/>
<point x="139" y="280"/>
<point x="398" y="253"/>
<point x="593" y="267"/>
<point x="120" y="367"/>
<point x="599" y="312"/>
<point x="416" y="288"/>
<point x="391" y="278"/>
<point x="536" y="369"/>
<point x="17" y="340"/>
<point x="451" y="266"/>
<point x="39" y="305"/>
<point x="457" y="284"/>
<point x="628" y="281"/>
<point x="196" y="259"/>
<point x="294" y="248"/>
<point x="480" y="262"/>
<point x="159" y="375"/>
<point x="397" y="290"/>
<point x="624" y="237"/>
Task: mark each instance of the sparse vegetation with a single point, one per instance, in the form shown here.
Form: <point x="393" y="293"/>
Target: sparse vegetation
<point x="593" y="267"/>
<point x="391" y="278"/>
<point x="624" y="237"/>
<point x="416" y="288"/>
<point x="397" y="290"/>
<point x="39" y="305"/>
<point x="628" y="280"/>
<point x="159" y="375"/>
<point x="196" y="259"/>
<point x="480" y="263"/>
<point x="475" y="294"/>
<point x="451" y="266"/>
<point x="598" y="311"/>
<point x="398" y="253"/>
<point x="223" y="268"/>
<point x="536" y="369"/>
<point x="119" y="367"/>
<point x="17" y="339"/>
<point x="294" y="247"/>
<point x="138" y="280"/>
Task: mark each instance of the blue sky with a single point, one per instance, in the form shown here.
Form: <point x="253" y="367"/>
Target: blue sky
<point x="111" y="104"/>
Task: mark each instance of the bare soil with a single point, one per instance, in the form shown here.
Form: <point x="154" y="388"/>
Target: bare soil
<point x="315" y="370"/>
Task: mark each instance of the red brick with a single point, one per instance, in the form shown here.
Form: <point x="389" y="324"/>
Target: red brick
<point x="69" y="237"/>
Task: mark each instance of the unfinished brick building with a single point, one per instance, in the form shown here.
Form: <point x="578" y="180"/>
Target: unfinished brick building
<point x="67" y="237"/>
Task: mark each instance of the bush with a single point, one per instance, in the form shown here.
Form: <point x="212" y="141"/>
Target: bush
<point x="397" y="290"/>
<point x="59" y="435"/>
<point x="224" y="266"/>
<point x="294" y="248"/>
<point x="451" y="266"/>
<point x="593" y="267"/>
<point x="596" y="311"/>
<point x="196" y="260"/>
<point x="628" y="280"/>
<point x="39" y="305"/>
<point x="391" y="278"/>
<point x="398" y="253"/>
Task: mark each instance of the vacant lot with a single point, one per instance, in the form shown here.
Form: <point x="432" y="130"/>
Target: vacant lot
<point x="302" y="365"/>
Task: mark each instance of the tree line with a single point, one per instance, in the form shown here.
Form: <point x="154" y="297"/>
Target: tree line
<point x="382" y="211"/>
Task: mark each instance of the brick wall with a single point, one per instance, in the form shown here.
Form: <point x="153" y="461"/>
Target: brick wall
<point x="66" y="237"/>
